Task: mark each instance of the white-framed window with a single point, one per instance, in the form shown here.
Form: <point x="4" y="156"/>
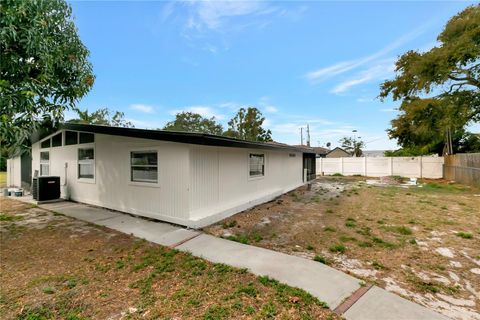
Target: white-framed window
<point x="86" y="163"/>
<point x="44" y="163"/>
<point x="256" y="165"/>
<point x="144" y="166"/>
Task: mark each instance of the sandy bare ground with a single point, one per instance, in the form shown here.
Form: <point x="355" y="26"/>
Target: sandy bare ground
<point x="55" y="267"/>
<point x="420" y="242"/>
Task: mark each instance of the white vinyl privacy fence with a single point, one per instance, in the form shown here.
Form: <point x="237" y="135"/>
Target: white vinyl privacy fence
<point x="411" y="167"/>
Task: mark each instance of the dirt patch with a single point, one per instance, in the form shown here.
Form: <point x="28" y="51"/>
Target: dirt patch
<point x="422" y="242"/>
<point x="56" y="267"/>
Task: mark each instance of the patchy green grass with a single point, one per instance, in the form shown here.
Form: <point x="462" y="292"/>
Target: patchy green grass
<point x="230" y="224"/>
<point x="284" y="293"/>
<point x="320" y="259"/>
<point x="248" y="238"/>
<point x="465" y="235"/>
<point x="399" y="230"/>
<point x="338" y="248"/>
<point x="9" y="217"/>
<point x="350" y="223"/>
<point x="91" y="275"/>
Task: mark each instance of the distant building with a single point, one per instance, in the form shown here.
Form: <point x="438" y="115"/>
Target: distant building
<point x="321" y="152"/>
<point x="337" y="153"/>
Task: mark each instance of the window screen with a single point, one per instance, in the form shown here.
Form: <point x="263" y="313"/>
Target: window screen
<point x="45" y="144"/>
<point x="71" y="137"/>
<point x="256" y="165"/>
<point x="87" y="137"/>
<point x="86" y="163"/>
<point x="144" y="166"/>
<point x="44" y="163"/>
<point x="57" y="140"/>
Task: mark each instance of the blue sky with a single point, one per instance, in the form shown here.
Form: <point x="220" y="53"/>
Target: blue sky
<point x="315" y="62"/>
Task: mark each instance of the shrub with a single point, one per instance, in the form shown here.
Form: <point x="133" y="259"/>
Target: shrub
<point x="320" y="259"/>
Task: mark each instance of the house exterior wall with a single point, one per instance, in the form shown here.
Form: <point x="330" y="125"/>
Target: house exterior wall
<point x="220" y="184"/>
<point x="197" y="185"/>
<point x="112" y="188"/>
<point x="14" y="172"/>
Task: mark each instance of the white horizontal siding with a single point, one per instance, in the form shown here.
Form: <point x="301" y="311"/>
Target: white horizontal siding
<point x="220" y="182"/>
<point x="112" y="188"/>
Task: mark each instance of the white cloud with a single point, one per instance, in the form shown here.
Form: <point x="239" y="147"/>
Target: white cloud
<point x="142" y="108"/>
<point x="146" y="124"/>
<point x="365" y="100"/>
<point x="230" y="105"/>
<point x="204" y="111"/>
<point x="329" y="71"/>
<point x="389" y="110"/>
<point x="380" y="71"/>
<point x="342" y="67"/>
<point x="271" y="109"/>
<point x="345" y="85"/>
<point x="265" y="104"/>
<point x="213" y="15"/>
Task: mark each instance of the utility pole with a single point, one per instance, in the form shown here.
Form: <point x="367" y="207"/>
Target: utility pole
<point x="301" y="136"/>
<point x="308" y="135"/>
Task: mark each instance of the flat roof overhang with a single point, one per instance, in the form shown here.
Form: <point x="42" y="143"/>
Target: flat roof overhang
<point x="180" y="137"/>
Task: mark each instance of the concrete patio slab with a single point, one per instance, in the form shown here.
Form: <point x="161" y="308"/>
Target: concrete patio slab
<point x="379" y="304"/>
<point x="80" y="211"/>
<point x="154" y="231"/>
<point x="325" y="283"/>
<point x="177" y="237"/>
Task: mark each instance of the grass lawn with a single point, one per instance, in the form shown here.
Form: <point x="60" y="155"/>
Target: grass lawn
<point x="56" y="267"/>
<point x="420" y="242"/>
<point x="3" y="179"/>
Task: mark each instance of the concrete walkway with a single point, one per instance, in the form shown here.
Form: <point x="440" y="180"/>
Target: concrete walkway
<point x="340" y="291"/>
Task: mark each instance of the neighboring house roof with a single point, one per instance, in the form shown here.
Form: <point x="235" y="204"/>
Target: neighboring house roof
<point x="338" y="148"/>
<point x="180" y="137"/>
<point x="321" y="150"/>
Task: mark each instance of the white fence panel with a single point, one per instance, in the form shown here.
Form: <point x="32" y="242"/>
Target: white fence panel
<point x="330" y="165"/>
<point x="412" y="167"/>
<point x="407" y="167"/>
<point x="352" y="166"/>
<point x="379" y="166"/>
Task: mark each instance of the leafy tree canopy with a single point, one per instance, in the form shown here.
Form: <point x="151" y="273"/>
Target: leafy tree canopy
<point x="44" y="67"/>
<point x="440" y="88"/>
<point x="103" y="117"/>
<point x="193" y="122"/>
<point x="352" y="146"/>
<point x="247" y="125"/>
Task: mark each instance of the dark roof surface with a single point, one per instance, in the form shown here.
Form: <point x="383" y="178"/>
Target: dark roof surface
<point x="338" y="148"/>
<point x="180" y="137"/>
<point x="321" y="150"/>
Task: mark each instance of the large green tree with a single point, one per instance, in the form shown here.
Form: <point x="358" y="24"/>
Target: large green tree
<point x="193" y="122"/>
<point x="44" y="67"/>
<point x="439" y="89"/>
<point x="247" y="124"/>
<point x="103" y="116"/>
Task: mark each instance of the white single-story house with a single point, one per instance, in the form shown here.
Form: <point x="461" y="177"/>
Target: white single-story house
<point x="191" y="179"/>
